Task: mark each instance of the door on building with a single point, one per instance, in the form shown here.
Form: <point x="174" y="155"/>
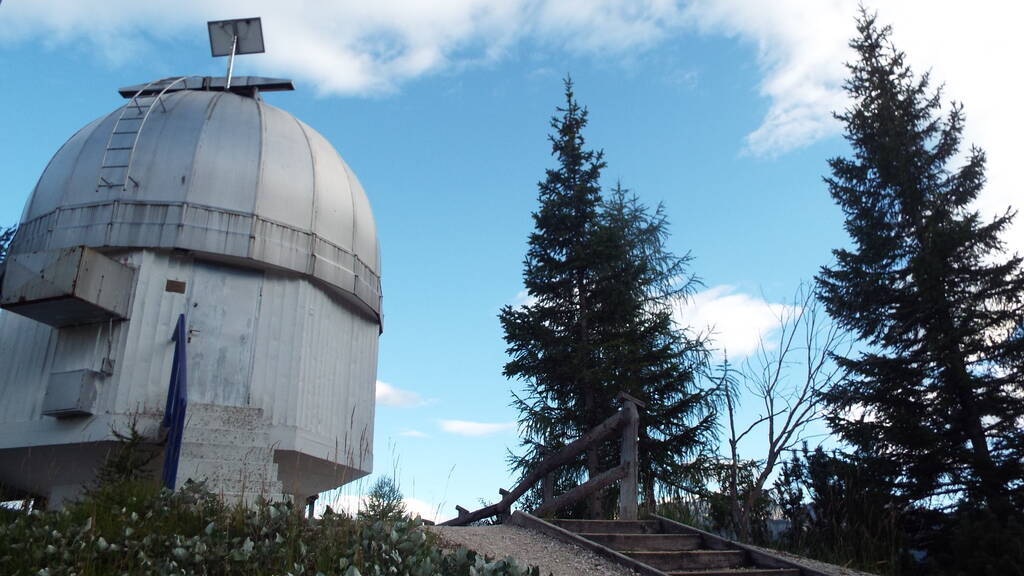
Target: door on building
<point x="223" y="305"/>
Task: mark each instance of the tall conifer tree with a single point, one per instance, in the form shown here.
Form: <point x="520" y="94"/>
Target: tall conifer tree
<point x="600" y="322"/>
<point x="937" y="394"/>
<point x="643" y="351"/>
<point x="550" y="339"/>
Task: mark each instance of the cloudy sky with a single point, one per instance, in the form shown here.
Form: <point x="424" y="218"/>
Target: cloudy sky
<point x="721" y="109"/>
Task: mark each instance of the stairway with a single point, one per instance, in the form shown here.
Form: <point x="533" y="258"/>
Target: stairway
<point x="229" y="448"/>
<point x="660" y="547"/>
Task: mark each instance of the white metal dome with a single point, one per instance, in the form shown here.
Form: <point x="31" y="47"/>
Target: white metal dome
<point x="214" y="172"/>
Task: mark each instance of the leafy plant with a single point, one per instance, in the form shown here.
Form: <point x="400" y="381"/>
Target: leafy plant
<point x="141" y="529"/>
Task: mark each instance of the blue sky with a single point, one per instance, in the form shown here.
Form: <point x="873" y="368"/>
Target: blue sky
<point x="718" y="109"/>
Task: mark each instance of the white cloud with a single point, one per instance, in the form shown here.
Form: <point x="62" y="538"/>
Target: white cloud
<point x="466" y="428"/>
<point x="388" y="395"/>
<point x="738" y="321"/>
<point x="802" y="45"/>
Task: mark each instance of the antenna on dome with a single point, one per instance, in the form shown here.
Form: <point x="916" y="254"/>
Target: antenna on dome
<point x="231" y="37"/>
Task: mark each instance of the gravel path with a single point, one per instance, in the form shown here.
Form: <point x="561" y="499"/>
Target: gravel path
<point x="529" y="547"/>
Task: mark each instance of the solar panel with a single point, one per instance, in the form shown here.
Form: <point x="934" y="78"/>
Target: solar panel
<point x="248" y="31"/>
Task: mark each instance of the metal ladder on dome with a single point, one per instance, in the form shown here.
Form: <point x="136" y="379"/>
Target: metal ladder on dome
<point x="116" y="166"/>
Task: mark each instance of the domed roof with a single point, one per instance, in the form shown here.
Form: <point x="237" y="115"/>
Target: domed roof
<point x="215" y="172"/>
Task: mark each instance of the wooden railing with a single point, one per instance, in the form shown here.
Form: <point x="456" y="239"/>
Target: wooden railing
<point x="626" y="421"/>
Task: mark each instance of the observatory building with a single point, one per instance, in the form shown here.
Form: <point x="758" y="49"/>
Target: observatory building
<point x="199" y="200"/>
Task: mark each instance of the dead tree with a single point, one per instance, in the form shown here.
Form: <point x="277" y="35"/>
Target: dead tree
<point x="787" y="377"/>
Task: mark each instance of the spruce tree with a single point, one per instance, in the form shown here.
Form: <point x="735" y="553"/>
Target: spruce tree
<point x="550" y="340"/>
<point x="936" y="391"/>
<point x="600" y="322"/>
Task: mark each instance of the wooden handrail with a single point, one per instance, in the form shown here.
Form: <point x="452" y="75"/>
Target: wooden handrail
<point x="626" y="419"/>
<point x="595" y="484"/>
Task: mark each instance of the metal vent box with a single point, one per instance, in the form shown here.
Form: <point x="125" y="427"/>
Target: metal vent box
<point x="70" y="393"/>
<point x="67" y="287"/>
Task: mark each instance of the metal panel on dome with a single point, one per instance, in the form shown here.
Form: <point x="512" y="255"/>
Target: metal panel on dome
<point x="333" y="211"/>
<point x="81" y="182"/>
<point x="50" y="191"/>
<point x="230" y="177"/>
<point x="166" y="149"/>
<point x="286" y="183"/>
<point x="364" y="237"/>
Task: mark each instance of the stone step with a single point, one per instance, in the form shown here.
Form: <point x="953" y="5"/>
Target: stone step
<point x="225" y="436"/>
<point x="692" y="559"/>
<point x="193" y="451"/>
<point x="646" y="542"/>
<point x="215" y="416"/>
<point x="609" y="526"/>
<point x="738" y="572"/>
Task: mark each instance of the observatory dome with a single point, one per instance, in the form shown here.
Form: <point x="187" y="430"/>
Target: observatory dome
<point x="214" y="172"/>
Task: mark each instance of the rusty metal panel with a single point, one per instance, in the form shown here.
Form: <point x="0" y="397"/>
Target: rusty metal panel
<point x="67" y="287"/>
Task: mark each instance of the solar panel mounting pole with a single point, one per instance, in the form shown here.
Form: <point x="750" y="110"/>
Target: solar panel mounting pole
<point x="235" y="37"/>
<point x="231" y="61"/>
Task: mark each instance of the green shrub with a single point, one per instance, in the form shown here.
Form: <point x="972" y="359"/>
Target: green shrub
<point x="137" y="528"/>
<point x="384" y="501"/>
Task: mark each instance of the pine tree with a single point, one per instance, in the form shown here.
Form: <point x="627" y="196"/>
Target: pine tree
<point x="937" y="390"/>
<point x="550" y="340"/>
<point x="600" y="323"/>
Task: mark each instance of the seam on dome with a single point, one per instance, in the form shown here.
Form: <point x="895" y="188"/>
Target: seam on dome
<point x="200" y="141"/>
<point x="313" y="169"/>
<point x="259" y="157"/>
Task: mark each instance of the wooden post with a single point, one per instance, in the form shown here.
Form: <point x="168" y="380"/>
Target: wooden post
<point x="503" y="515"/>
<point x="628" y="488"/>
<point x="548" y="487"/>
